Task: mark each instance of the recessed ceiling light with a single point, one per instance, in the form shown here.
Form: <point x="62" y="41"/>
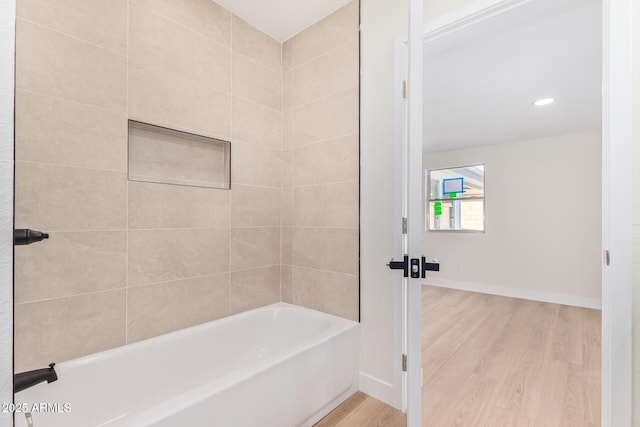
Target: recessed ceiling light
<point x="544" y="101"/>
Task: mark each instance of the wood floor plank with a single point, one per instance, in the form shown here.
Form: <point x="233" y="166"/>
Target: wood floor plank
<point x="544" y="360"/>
<point x="363" y="410"/>
<point x="452" y="335"/>
<point x="567" y="344"/>
<point x="508" y="347"/>
<point x="497" y="362"/>
<point x="456" y="367"/>
<point x="467" y="406"/>
<point x="348" y="406"/>
<point x="524" y="387"/>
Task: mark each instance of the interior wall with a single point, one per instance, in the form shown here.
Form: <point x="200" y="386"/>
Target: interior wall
<point x="7" y="62"/>
<point x="542" y="222"/>
<point x="320" y="182"/>
<point x="636" y="214"/>
<point x="381" y="22"/>
<point x="131" y="260"/>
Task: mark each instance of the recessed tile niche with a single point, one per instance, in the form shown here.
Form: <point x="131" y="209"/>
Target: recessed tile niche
<point x="162" y="155"/>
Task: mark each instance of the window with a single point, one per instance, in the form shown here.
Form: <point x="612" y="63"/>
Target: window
<point x="455" y="199"/>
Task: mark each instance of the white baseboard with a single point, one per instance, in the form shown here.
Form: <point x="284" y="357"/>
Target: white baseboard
<point x="381" y="390"/>
<point x="506" y="291"/>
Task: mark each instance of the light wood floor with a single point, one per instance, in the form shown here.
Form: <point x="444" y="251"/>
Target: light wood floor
<point x="494" y="361"/>
<point x="363" y="410"/>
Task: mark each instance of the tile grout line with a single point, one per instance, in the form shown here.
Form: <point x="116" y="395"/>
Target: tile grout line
<point x="293" y="175"/>
<point x="76" y="38"/>
<point x="231" y="46"/>
<point x="183" y="26"/>
<point x="282" y="160"/>
<point x="119" y="171"/>
<point x="81" y="294"/>
<point x="326" y="52"/>
<point x="72" y="101"/>
<point x="126" y="271"/>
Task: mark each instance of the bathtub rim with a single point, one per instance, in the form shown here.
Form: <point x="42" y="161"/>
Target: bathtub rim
<point x="339" y="324"/>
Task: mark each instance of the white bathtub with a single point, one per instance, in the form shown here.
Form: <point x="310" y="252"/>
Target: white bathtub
<point x="279" y="365"/>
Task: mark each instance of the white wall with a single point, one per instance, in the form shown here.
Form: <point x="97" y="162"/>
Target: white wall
<point x="543" y="222"/>
<point x="381" y="22"/>
<point x="7" y="38"/>
<point x="636" y="214"/>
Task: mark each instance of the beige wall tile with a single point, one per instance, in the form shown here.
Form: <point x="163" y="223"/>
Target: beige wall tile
<point x="157" y="41"/>
<point x="165" y="255"/>
<point x="336" y="160"/>
<point x="254" y="247"/>
<point x="287" y="207"/>
<point x="202" y="16"/>
<point x="57" y="198"/>
<point x="335" y="71"/>
<point x="256" y="124"/>
<point x="287" y="55"/>
<point x="325" y="291"/>
<point x="287" y="169"/>
<point x="53" y="64"/>
<point x="163" y="98"/>
<point x="287" y="90"/>
<point x="158" y="309"/>
<point x="96" y="21"/>
<point x="256" y="45"/>
<point x="327" y="118"/>
<point x="287" y="246"/>
<point x="254" y="288"/>
<point x="334" y="30"/>
<point x="286" y="284"/>
<point x="255" y="82"/>
<point x="70" y="263"/>
<point x="328" y="205"/>
<point x="255" y="165"/>
<point x="52" y="130"/>
<point x="255" y="206"/>
<point x="177" y="206"/>
<point x="66" y="328"/>
<point x="287" y="129"/>
<point x="332" y="249"/>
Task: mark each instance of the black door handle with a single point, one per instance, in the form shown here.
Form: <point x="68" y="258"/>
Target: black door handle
<point x="400" y="265"/>
<point x="429" y="266"/>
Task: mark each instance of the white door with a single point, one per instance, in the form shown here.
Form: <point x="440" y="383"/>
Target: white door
<point x="410" y="262"/>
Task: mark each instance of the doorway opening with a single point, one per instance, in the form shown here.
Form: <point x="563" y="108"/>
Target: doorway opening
<point x="511" y="322"/>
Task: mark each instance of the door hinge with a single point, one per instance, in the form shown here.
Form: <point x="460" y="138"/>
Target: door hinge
<point x="607" y="257"/>
<point x="404" y="363"/>
<point x="405" y="93"/>
<point x="404" y="225"/>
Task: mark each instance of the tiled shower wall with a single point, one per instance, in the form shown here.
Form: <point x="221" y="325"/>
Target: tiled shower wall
<point x="131" y="260"/>
<point x="320" y="180"/>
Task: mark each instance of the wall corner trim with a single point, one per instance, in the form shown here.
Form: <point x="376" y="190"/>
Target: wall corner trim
<point x="381" y="390"/>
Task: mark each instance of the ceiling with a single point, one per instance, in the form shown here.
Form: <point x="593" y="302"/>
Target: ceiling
<point x="480" y="83"/>
<point x="282" y="19"/>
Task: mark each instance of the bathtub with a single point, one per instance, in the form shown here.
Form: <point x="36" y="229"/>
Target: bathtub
<point x="280" y="365"/>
